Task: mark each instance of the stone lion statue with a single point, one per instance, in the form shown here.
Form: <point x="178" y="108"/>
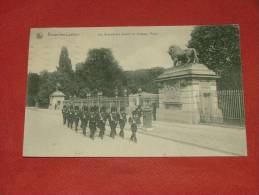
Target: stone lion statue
<point x="182" y="56"/>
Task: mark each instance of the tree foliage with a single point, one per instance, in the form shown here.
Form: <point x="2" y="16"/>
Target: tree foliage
<point x="64" y="64"/>
<point x="32" y="88"/>
<point x="218" y="47"/>
<point x="100" y="72"/>
<point x="144" y="79"/>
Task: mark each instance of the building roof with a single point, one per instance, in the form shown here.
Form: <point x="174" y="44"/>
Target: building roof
<point x="57" y="93"/>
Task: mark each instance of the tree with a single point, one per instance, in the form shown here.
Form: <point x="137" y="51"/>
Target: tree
<point x="64" y="64"/>
<point x="100" y="71"/>
<point x="144" y="79"/>
<point x="218" y="47"/>
<point x="46" y="87"/>
<point x="32" y="89"/>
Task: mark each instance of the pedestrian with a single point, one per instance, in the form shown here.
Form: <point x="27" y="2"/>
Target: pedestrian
<point x="133" y="126"/>
<point x="76" y="117"/>
<point x="113" y="120"/>
<point x="64" y="110"/>
<point x="92" y="122"/>
<point x="122" y="121"/>
<point x="102" y="122"/>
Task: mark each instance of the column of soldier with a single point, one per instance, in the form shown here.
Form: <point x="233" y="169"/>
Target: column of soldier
<point x="97" y="118"/>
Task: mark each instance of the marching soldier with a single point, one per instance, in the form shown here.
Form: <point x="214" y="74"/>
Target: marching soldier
<point x="133" y="126"/>
<point x="102" y="117"/>
<point x="138" y="114"/>
<point x="84" y="119"/>
<point x="76" y="117"/>
<point x="113" y="120"/>
<point x="92" y="122"/>
<point x="122" y="121"/>
<point x="64" y="110"/>
<point x="70" y="117"/>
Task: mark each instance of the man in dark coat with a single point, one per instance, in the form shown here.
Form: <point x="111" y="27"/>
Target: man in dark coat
<point x="122" y="121"/>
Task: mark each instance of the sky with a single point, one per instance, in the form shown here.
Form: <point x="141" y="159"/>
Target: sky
<point x="133" y="47"/>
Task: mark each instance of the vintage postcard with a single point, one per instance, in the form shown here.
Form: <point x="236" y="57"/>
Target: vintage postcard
<point x="154" y="91"/>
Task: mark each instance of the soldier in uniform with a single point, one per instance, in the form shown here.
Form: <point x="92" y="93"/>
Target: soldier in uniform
<point x="92" y="122"/>
<point x="70" y="117"/>
<point x="122" y="121"/>
<point x="138" y="114"/>
<point x="113" y="120"/>
<point x="84" y="118"/>
<point x="133" y="126"/>
<point x="102" y="117"/>
<point x="64" y="110"/>
<point x="76" y="117"/>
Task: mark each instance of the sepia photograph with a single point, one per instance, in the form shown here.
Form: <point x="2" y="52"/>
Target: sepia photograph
<point x="147" y="91"/>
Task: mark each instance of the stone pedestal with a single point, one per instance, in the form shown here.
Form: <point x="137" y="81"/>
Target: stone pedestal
<point x="187" y="94"/>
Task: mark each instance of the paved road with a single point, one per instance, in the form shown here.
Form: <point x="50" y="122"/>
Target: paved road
<point x="45" y="135"/>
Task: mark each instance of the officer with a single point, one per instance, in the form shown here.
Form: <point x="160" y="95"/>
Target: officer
<point x="113" y="120"/>
<point x="122" y="121"/>
<point x="70" y="117"/>
<point x="133" y="126"/>
<point x="102" y="117"/>
<point x="92" y="122"/>
<point x="64" y="110"/>
<point x="84" y="118"/>
<point x="76" y="117"/>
